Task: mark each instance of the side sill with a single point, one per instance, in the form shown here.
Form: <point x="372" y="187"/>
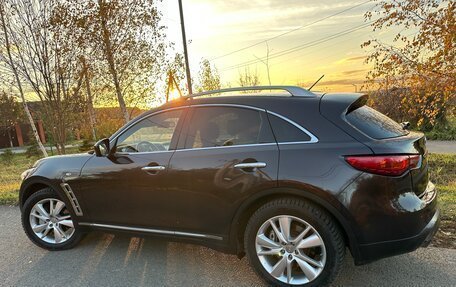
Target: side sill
<point x="150" y="230"/>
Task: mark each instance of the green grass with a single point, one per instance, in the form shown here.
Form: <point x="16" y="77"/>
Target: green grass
<point x="10" y="177"/>
<point x="443" y="174"/>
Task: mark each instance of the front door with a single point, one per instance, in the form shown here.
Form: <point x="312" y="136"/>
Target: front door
<point x="130" y="187"/>
<point x="228" y="154"/>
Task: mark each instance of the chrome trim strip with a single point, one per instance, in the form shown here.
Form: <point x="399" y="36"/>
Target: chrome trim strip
<point x="230" y="105"/>
<point x="290" y="143"/>
<point x="72" y="197"/>
<point x="151" y="230"/>
<point x="313" y="139"/>
<point x="228" y="146"/>
<point x="144" y="152"/>
<point x="293" y="90"/>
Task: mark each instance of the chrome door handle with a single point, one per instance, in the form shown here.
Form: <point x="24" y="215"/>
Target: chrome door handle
<point x="153" y="168"/>
<point x="250" y="165"/>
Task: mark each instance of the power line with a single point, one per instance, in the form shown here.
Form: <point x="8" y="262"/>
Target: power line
<point x="288" y="32"/>
<point x="299" y="47"/>
<point x="318" y="50"/>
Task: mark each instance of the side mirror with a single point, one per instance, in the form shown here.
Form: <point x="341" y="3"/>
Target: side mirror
<point x="102" y="147"/>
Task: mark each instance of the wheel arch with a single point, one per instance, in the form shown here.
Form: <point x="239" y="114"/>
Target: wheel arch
<point x="249" y="206"/>
<point x="36" y="183"/>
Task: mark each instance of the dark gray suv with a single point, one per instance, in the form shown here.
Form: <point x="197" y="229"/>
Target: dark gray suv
<point x="290" y="180"/>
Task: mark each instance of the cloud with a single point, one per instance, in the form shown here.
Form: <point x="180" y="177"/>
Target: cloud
<point x="342" y="82"/>
<point x="357" y="58"/>
<point x="353" y="72"/>
<point x="351" y="59"/>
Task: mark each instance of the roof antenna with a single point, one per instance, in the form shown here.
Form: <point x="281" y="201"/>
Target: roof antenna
<point x="316" y="82"/>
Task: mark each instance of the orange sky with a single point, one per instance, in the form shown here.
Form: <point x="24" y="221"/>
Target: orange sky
<point x="330" y="47"/>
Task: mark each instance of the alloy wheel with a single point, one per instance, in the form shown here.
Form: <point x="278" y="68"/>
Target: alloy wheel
<point x="290" y="249"/>
<point x="51" y="221"/>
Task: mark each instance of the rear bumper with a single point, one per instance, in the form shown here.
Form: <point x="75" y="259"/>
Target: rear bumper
<point x="378" y="250"/>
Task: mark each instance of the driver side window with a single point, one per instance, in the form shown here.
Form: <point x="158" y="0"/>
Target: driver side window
<point x="153" y="133"/>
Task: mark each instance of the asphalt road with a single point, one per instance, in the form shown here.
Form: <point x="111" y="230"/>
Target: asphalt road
<point x="441" y="146"/>
<point x="106" y="260"/>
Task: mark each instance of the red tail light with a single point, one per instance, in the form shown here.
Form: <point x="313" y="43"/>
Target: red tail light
<point x="394" y="165"/>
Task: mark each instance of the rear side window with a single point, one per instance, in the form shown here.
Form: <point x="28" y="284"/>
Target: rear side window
<point x="227" y="126"/>
<point x="286" y="132"/>
<point x="374" y="124"/>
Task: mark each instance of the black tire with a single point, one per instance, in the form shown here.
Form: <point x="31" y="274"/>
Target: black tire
<point x="318" y="218"/>
<point x="46" y="193"/>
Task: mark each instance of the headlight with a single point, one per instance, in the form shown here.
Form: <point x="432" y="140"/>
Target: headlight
<point x="26" y="173"/>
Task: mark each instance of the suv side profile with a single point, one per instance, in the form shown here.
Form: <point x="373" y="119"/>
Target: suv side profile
<point x="290" y="181"/>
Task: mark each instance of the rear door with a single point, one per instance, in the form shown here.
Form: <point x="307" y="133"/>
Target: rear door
<point x="228" y="153"/>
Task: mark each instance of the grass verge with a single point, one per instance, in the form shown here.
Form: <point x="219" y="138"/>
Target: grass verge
<point x="443" y="174"/>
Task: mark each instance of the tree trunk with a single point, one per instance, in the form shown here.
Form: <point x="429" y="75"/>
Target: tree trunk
<point x="9" y="137"/>
<point x="110" y="60"/>
<point x="19" y="86"/>
<point x="89" y="100"/>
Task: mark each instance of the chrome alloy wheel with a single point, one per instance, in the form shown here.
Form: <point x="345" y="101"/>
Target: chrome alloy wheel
<point x="51" y="221"/>
<point x="290" y="249"/>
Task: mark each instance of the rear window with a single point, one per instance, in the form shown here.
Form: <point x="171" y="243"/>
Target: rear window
<point x="374" y="124"/>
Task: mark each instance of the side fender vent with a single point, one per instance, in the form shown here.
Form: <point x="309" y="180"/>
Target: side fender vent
<point x="74" y="201"/>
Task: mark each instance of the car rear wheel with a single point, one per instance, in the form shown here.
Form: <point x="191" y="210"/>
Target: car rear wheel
<point x="291" y="242"/>
<point x="48" y="222"/>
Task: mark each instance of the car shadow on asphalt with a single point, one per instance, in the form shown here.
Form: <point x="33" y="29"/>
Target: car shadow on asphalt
<point x="103" y="259"/>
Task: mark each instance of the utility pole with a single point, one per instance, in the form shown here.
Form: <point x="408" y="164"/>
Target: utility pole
<point x="184" y="40"/>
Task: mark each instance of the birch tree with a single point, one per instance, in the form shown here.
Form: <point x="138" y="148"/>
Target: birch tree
<point x="44" y="64"/>
<point x="9" y="65"/>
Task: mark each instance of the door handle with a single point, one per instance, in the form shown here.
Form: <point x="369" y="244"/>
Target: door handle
<point x="153" y="168"/>
<point x="250" y="165"/>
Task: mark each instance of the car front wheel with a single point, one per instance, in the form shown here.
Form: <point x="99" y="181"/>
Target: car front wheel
<point x="47" y="221"/>
<point x="291" y="242"/>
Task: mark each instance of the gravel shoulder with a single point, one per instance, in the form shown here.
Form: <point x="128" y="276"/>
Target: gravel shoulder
<point x="103" y="259"/>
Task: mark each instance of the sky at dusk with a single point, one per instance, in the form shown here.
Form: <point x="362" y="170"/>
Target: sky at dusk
<point x="331" y="46"/>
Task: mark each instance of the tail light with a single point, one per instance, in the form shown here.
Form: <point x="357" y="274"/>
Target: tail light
<point x="393" y="165"/>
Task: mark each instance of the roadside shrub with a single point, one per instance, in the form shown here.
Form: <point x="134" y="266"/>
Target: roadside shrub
<point x="32" y="151"/>
<point x="443" y="131"/>
<point x="86" y="145"/>
<point x="7" y="156"/>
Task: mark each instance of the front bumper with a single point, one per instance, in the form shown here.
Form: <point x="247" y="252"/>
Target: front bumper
<point x="378" y="250"/>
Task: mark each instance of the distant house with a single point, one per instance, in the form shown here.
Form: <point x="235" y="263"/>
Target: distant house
<point x="20" y="133"/>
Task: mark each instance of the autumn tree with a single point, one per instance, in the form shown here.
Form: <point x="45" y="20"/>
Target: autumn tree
<point x="125" y="38"/>
<point x="420" y="62"/>
<point x="248" y="78"/>
<point x="208" y="77"/>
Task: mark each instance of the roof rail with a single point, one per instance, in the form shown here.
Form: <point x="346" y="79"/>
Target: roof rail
<point x="293" y="90"/>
